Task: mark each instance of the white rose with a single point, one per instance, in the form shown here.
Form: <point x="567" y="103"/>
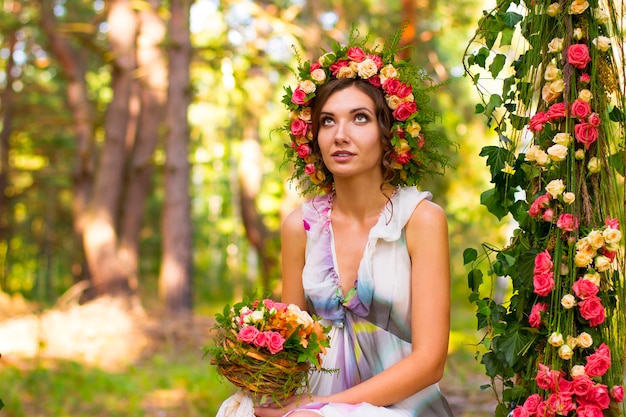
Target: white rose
<point x="552" y="72"/>
<point x="307" y="86"/>
<point x="602" y="263"/>
<point x="531" y="153"/>
<point x="556" y="339"/>
<point x="584" y="340"/>
<point x="569" y="198"/>
<point x="595" y="239"/>
<point x="388" y="71"/>
<point x="367" y="68"/>
<point x="254" y="317"/>
<point x="305" y="114"/>
<point x="571" y="342"/>
<point x="568" y="301"/>
<point x="557" y="152"/>
<point x="602" y="43"/>
<point x="553" y="9"/>
<point x="577" y="370"/>
<point x="555" y="45"/>
<point x="346" y="72"/>
<point x="541" y="158"/>
<point x="566" y="352"/>
<point x="393" y="101"/>
<point x="612" y="235"/>
<point x="585" y="94"/>
<point x="318" y="76"/>
<point x="593" y="165"/>
<point x="562" y="138"/>
<point x="555" y="188"/>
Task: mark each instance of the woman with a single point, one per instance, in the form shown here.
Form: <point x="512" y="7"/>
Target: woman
<point x="371" y="256"/>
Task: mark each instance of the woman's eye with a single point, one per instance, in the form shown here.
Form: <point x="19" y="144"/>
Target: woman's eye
<point x="326" y="121"/>
<point x="361" y="118"/>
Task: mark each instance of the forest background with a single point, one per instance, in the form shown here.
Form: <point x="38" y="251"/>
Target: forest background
<point x="142" y="187"/>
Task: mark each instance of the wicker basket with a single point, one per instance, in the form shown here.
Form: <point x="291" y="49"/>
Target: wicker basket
<point x="260" y="372"/>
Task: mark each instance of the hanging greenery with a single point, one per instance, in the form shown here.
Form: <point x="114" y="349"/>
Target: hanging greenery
<point x="554" y="344"/>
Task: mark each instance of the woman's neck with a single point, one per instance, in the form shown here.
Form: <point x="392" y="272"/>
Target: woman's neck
<point x="361" y="200"/>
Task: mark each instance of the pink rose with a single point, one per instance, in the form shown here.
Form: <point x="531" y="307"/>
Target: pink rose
<point x="612" y="223"/>
<point x="247" y="334"/>
<point x="584" y="288"/>
<point x="594" y="119"/>
<point x="534" y="318"/>
<point x="548" y="215"/>
<point x="520" y="411"/>
<point x="314" y="66"/>
<point x="539" y="204"/>
<point x="355" y="54"/>
<point x="578" y="55"/>
<point x="309" y="169"/>
<point x="567" y="222"/>
<point x="400" y="132"/>
<point x="420" y="141"/>
<point x="339" y="64"/>
<point x="591" y="309"/>
<point x="589" y="411"/>
<point x="543" y="262"/>
<point x="585" y="78"/>
<point x="375" y="80"/>
<point x="391" y="85"/>
<point x="564" y="385"/>
<point x="598" y="362"/>
<point x="546" y="378"/>
<point x="404" y="90"/>
<point x="582" y="384"/>
<point x="303" y="150"/>
<point x="580" y="108"/>
<point x="299" y="127"/>
<point x="544" y="411"/>
<point x="404" y="111"/>
<point x="532" y="403"/>
<point x="586" y="133"/>
<point x="404" y="158"/>
<point x="537" y="121"/>
<point x="299" y="97"/>
<point x="617" y="393"/>
<point x="556" y="111"/>
<point x="597" y="395"/>
<point x="275" y="342"/>
<point x="543" y="283"/>
<point x="261" y="339"/>
<point x="561" y="403"/>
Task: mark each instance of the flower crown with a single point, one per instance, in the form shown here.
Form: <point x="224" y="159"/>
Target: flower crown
<point x="415" y="147"/>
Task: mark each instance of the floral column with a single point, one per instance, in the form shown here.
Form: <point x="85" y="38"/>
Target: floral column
<point x="555" y="344"/>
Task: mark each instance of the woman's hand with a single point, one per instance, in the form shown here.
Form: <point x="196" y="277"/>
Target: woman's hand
<point x="271" y="409"/>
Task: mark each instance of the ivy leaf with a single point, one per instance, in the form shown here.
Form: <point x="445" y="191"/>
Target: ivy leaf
<point x="474" y="279"/>
<point x="617" y="115"/>
<point x="494" y="101"/>
<point x="511" y="18"/>
<point x="506" y="37"/>
<point x="511" y="344"/>
<point x="481" y="56"/>
<point x="469" y="255"/>
<point x="494" y="203"/>
<point x="497" y="65"/>
<point x="496" y="158"/>
<point x="617" y="162"/>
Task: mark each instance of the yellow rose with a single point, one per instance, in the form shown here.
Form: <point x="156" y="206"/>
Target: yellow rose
<point x="393" y="101"/>
<point x="318" y="76"/>
<point x="593" y="165"/>
<point x="566" y="352"/>
<point x="577" y="370"/>
<point x="611" y="235"/>
<point x="307" y="86"/>
<point x="346" y="72"/>
<point x="557" y="86"/>
<point x="578" y="34"/>
<point x="305" y="114"/>
<point x="578" y="6"/>
<point x="555" y="188"/>
<point x="602" y="263"/>
<point x="585" y="94"/>
<point x="568" y="301"/>
<point x="602" y="43"/>
<point x="552" y="72"/>
<point x="531" y="153"/>
<point x="562" y="138"/>
<point x="542" y="158"/>
<point x="318" y="177"/>
<point x="414" y="129"/>
<point x="403" y="148"/>
<point x="571" y="342"/>
<point x="584" y="340"/>
<point x="553" y="9"/>
<point x="555" y="45"/>
<point x="409" y="98"/>
<point x="593" y="277"/>
<point x="367" y="68"/>
<point x="595" y="239"/>
<point x="388" y="71"/>
<point x="556" y="339"/>
<point x="547" y="94"/>
<point x="569" y="198"/>
<point x="557" y="152"/>
<point x="579" y="155"/>
<point x="582" y="260"/>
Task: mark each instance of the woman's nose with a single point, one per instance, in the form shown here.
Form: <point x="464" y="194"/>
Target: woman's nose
<point x="341" y="133"/>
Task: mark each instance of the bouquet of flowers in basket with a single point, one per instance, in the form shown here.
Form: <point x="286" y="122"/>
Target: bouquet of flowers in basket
<point x="267" y="348"/>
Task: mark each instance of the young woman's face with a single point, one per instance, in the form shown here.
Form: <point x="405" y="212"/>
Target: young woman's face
<point x="349" y="136"/>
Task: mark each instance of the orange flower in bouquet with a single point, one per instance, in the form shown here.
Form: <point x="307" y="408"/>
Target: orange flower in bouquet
<point x="267" y="348"/>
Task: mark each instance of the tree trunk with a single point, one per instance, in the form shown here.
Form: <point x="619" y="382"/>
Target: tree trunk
<point x="101" y="239"/>
<point x="152" y="73"/>
<point x="176" y="266"/>
<point x="74" y="67"/>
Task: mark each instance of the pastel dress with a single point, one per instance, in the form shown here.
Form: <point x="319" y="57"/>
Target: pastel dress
<point x="371" y="325"/>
